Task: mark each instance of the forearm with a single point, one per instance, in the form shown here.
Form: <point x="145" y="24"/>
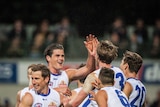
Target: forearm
<point x="90" y="63"/>
<point x="78" y="99"/>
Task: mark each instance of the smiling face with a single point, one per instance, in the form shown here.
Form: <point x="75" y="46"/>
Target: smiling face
<point x="56" y="60"/>
<point x="39" y="82"/>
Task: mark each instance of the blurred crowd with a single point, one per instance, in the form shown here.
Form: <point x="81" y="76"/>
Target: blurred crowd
<point x="16" y="42"/>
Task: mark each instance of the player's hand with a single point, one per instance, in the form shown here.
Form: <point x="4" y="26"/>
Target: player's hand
<point x="97" y="84"/>
<point x="90" y="43"/>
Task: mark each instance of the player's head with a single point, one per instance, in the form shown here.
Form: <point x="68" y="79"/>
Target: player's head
<point x="50" y="49"/>
<point x="106" y="51"/>
<point x="40" y="77"/>
<point x="45" y="73"/>
<point x="131" y="60"/>
<point x="106" y="76"/>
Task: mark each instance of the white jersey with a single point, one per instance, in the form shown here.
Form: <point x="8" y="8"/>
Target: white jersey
<point x="86" y="102"/>
<point x="119" y="77"/>
<point x="56" y="79"/>
<point x="52" y="99"/>
<point x="23" y="91"/>
<point x="116" y="98"/>
<point x="138" y="95"/>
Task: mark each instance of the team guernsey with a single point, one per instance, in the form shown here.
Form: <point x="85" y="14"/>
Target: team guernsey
<point x="119" y="77"/>
<point x="138" y="95"/>
<point x="52" y="99"/>
<point x="57" y="79"/>
<point x="116" y="98"/>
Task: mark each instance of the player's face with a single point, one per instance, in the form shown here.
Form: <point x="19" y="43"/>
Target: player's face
<point x="57" y="59"/>
<point x="39" y="83"/>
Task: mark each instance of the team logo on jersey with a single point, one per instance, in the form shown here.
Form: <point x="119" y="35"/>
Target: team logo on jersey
<point x="38" y="105"/>
<point x="50" y="83"/>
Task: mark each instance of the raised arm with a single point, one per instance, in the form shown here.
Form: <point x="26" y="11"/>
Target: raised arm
<point x="90" y="44"/>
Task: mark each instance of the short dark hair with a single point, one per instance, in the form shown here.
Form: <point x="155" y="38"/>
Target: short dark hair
<point x="43" y="68"/>
<point x="106" y="76"/>
<point x="107" y="51"/>
<point x="134" y="61"/>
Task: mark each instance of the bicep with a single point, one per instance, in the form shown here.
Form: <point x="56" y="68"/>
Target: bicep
<point x="26" y="101"/>
<point x="127" y="89"/>
<point x="101" y="98"/>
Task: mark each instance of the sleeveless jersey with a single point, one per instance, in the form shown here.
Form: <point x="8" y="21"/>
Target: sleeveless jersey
<point x="23" y="91"/>
<point x="138" y="95"/>
<point x="86" y="101"/>
<point x="119" y="77"/>
<point x="116" y="98"/>
<point x="52" y="99"/>
<point x="56" y="79"/>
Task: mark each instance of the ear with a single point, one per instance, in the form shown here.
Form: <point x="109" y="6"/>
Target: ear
<point x="47" y="79"/>
<point x="48" y="57"/>
<point x="126" y="66"/>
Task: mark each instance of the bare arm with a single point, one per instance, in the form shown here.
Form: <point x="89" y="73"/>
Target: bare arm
<point x="101" y="98"/>
<point x="75" y="74"/>
<point x="87" y="87"/>
<point x="18" y="98"/>
<point x="127" y="89"/>
<point x="27" y="100"/>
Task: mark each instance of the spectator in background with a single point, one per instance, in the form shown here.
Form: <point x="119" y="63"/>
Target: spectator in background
<point x="63" y="31"/>
<point x="16" y="40"/>
<point x="141" y="31"/>
<point x="154" y="49"/>
<point x="156" y="103"/>
<point x="156" y="31"/>
<point x="3" y="41"/>
<point x="118" y="32"/>
<point x="7" y="103"/>
<point x="134" y="45"/>
<point x="38" y="41"/>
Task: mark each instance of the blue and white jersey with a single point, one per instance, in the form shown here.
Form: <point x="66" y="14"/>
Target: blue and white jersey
<point x="23" y="91"/>
<point x="119" y="77"/>
<point x="56" y="79"/>
<point x="138" y="95"/>
<point x="52" y="99"/>
<point x="86" y="102"/>
<point x="116" y="98"/>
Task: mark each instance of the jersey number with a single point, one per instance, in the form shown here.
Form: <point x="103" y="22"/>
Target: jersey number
<point x="139" y="97"/>
<point x="123" y="100"/>
<point x="121" y="82"/>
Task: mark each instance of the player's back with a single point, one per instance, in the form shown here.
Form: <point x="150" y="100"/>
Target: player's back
<point x="138" y="95"/>
<point x="116" y="98"/>
<point x="118" y="77"/>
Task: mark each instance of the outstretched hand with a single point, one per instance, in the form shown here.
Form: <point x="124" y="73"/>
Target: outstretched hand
<point x="91" y="44"/>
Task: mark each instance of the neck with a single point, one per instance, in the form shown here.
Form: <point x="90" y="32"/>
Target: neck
<point x="44" y="91"/>
<point x="104" y="65"/>
<point x="53" y="70"/>
<point x="131" y="75"/>
<point x="108" y="85"/>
